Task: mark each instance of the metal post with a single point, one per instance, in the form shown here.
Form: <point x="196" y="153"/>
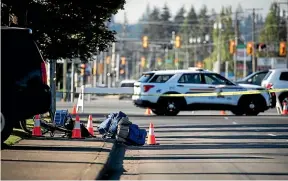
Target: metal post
<point x="245" y="64"/>
<point x="254" y="63"/>
<point x="176" y="58"/>
<point x="113" y="63"/>
<point x="226" y="69"/>
<point x="72" y="80"/>
<point x="236" y="44"/>
<point x="53" y="84"/>
<point x="65" y="80"/>
<point x="219" y="51"/>
<point x="95" y="72"/>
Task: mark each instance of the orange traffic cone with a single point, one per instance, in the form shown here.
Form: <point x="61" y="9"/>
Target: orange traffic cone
<point x="76" y="132"/>
<point x="222" y="113"/>
<point x="148" y="111"/>
<point x="74" y="111"/>
<point x="151" y="136"/>
<point x="285" y="109"/>
<point x="37" y="128"/>
<point x="90" y="125"/>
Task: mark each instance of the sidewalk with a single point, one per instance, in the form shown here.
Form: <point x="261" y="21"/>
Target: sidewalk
<point x="57" y="159"/>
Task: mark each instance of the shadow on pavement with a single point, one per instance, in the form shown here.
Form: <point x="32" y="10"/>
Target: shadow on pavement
<point x="212" y="146"/>
<point x="193" y="157"/>
<point x="115" y="163"/>
<point x="70" y="148"/>
<point x="226" y="130"/>
<point x="216" y="173"/>
<point x="49" y="161"/>
<point x="223" y="126"/>
<point x="230" y="137"/>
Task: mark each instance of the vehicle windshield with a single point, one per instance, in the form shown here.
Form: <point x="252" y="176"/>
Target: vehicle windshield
<point x="145" y="77"/>
<point x="217" y="79"/>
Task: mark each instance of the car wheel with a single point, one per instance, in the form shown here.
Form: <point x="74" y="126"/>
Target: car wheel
<point x="170" y="106"/>
<point x="6" y="128"/>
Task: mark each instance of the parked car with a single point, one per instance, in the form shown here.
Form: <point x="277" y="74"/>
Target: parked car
<point x="254" y="78"/>
<point x="277" y="79"/>
<point x="126" y="83"/>
<point x="151" y="90"/>
<point x="24" y="89"/>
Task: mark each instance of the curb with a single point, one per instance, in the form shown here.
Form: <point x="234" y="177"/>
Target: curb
<point x="114" y="162"/>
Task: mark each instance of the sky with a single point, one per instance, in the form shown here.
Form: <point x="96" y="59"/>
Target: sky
<point x="135" y="8"/>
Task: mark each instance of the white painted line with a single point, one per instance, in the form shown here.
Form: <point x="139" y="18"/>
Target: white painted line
<point x="234" y="122"/>
<point x="226" y="118"/>
<point x="272" y="135"/>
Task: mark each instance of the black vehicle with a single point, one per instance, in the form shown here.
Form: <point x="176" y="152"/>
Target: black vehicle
<point x="24" y="89"/>
<point x="254" y="78"/>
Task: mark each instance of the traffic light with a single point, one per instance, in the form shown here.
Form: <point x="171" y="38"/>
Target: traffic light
<point x="123" y="60"/>
<point x="282" y="48"/>
<point x="83" y="66"/>
<point x="232" y="47"/>
<point x="143" y="61"/>
<point x="249" y="48"/>
<point x="177" y="42"/>
<point x="145" y="42"/>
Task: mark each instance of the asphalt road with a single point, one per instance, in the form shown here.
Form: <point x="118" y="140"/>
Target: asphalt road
<point x="105" y="106"/>
<point x="209" y="147"/>
<point x="202" y="146"/>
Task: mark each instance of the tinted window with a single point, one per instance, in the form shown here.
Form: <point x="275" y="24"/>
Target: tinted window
<point x="161" y="78"/>
<point x="257" y="79"/>
<point x="216" y="79"/>
<point x="284" y="76"/>
<point x="145" y="77"/>
<point x="267" y="75"/>
<point x="190" y="79"/>
<point x="127" y="85"/>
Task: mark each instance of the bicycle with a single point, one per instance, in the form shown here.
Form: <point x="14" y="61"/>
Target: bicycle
<point x="47" y="124"/>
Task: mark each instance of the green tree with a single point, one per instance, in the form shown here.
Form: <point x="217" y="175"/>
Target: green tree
<point x="227" y="34"/>
<point x="269" y="31"/>
<point x="154" y="18"/>
<point x="179" y="19"/>
<point x="66" y="29"/>
<point x="166" y="28"/>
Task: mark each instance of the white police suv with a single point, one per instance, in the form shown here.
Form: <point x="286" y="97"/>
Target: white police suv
<point x="167" y="92"/>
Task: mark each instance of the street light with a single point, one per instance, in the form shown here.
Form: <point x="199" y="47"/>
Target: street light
<point x="218" y="26"/>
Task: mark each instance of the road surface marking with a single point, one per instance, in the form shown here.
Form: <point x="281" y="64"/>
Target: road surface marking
<point x="226" y="118"/>
<point x="234" y="122"/>
<point x="272" y="135"/>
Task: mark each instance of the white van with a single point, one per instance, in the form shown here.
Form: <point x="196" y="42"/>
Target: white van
<point x="126" y="83"/>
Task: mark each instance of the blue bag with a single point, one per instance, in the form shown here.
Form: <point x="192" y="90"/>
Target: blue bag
<point x="104" y="126"/>
<point x="136" y="136"/>
<point x="114" y="123"/>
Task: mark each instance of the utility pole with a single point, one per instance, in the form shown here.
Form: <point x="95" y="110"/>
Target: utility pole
<point x="286" y="3"/>
<point x="254" y="62"/>
<point x="236" y="44"/>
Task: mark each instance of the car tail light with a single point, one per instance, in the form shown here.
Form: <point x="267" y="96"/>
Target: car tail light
<point x="44" y="73"/>
<point x="147" y="87"/>
<point x="269" y="86"/>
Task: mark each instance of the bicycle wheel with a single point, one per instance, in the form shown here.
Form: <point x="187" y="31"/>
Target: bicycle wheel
<point x="28" y="124"/>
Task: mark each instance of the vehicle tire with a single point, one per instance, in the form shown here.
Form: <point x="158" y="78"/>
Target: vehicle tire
<point x="6" y="128"/>
<point x="171" y="106"/>
<point x="27" y="125"/>
<point x="251" y="104"/>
